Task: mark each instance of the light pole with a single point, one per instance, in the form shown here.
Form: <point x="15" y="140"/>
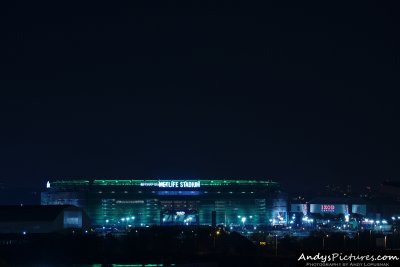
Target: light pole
<point x="323" y="241"/>
<point x="358" y="240"/>
<point x="276" y="245"/>
<point x="370" y="237"/>
<point x="344" y="241"/>
<point x="385" y="242"/>
<point x="216" y="235"/>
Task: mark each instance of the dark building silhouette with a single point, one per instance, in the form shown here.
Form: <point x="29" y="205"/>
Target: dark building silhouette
<point x="41" y="219"/>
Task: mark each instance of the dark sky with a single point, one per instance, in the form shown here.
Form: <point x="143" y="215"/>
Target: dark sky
<point x="304" y="93"/>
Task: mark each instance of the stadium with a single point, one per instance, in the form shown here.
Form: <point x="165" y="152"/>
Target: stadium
<point x="133" y="203"/>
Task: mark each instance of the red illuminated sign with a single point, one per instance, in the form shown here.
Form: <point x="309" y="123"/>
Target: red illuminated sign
<point x="327" y="207"/>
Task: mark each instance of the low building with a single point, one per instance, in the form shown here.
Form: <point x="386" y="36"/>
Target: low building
<point x="41" y="219"/>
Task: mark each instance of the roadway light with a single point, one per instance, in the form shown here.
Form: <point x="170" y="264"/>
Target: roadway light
<point x="243" y="219"/>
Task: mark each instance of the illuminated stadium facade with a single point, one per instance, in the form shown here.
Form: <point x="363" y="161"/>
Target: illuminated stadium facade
<point x="148" y="202"/>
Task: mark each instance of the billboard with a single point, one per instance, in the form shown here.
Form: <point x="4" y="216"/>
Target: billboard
<point x="329" y="208"/>
<point x="359" y="209"/>
<point x="72" y="219"/>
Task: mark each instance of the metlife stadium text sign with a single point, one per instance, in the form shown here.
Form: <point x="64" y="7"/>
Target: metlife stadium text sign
<point x="173" y="184"/>
<point x="179" y="184"/>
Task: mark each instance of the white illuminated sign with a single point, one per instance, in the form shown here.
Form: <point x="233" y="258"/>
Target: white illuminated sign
<point x="179" y="184"/>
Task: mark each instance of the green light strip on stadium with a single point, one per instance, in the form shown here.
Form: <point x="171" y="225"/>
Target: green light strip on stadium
<point x="118" y="182"/>
<point x="202" y="182"/>
<point x="71" y="182"/>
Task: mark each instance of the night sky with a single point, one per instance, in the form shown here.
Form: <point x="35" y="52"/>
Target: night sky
<point x="303" y="93"/>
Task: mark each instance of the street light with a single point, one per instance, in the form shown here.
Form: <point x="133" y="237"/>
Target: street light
<point x="323" y="241"/>
<point x="385" y="242"/>
<point x="217" y="233"/>
<point x="370" y="237"/>
<point x="276" y="245"/>
<point x="344" y="241"/>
